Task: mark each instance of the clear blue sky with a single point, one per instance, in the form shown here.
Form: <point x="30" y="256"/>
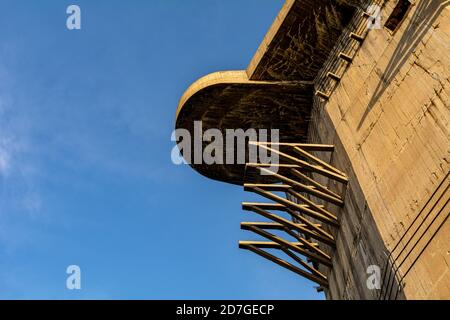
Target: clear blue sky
<point x="85" y="172"/>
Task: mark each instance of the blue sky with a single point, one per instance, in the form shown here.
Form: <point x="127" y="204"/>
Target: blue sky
<point x="85" y="171"/>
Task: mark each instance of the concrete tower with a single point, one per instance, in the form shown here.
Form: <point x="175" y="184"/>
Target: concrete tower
<point x="360" y="93"/>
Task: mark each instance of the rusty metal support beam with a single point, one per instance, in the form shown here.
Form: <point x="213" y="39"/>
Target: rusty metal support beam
<point x="286" y="265"/>
<point x="272" y="165"/>
<point x="270" y="187"/>
<point x="271" y="206"/>
<point x="279" y="207"/>
<point x="314" y="206"/>
<point x="304" y="164"/>
<point x="323" y="194"/>
<point x="304" y="188"/>
<point x="304" y="146"/>
<point x="314" y="253"/>
<point x="320" y="162"/>
<point x="302" y="219"/>
<point x="316" y="184"/>
<point x="270" y="244"/>
<point x="305" y="228"/>
<point x="304" y="264"/>
<point x="295" y="206"/>
<point x="265" y="206"/>
<point x="271" y="225"/>
<point x="302" y="228"/>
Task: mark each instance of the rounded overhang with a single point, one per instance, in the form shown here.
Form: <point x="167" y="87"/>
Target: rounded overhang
<point x="276" y="90"/>
<point x="229" y="100"/>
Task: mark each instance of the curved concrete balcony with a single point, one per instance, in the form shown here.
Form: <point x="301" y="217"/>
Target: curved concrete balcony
<point x="276" y="91"/>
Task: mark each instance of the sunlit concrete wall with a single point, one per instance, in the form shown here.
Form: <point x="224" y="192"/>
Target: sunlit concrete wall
<point x="389" y="119"/>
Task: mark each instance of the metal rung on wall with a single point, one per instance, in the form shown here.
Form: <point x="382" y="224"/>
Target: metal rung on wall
<point x="333" y="76"/>
<point x="323" y="95"/>
<point x="345" y="57"/>
<point x="356" y="37"/>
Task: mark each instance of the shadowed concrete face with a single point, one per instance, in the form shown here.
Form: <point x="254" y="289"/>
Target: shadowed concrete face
<point x="300" y="40"/>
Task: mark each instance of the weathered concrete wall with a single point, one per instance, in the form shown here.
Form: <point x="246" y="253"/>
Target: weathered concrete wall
<point x="389" y="118"/>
